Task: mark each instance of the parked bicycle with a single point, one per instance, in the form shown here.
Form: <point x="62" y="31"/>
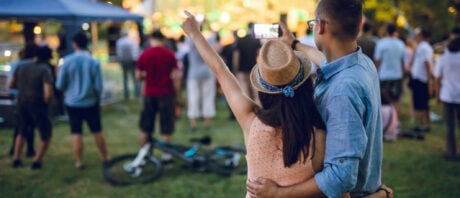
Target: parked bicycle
<point x="145" y="167"/>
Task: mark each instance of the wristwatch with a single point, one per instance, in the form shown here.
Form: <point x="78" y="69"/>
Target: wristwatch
<point x="294" y="43"/>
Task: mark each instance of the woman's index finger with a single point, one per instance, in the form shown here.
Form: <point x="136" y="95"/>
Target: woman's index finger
<point x="188" y="13"/>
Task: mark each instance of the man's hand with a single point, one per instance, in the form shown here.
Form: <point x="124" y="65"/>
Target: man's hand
<point x="261" y="187"/>
<point x="140" y="75"/>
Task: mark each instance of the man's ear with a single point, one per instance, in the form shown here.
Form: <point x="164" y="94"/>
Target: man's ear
<point x="322" y="27"/>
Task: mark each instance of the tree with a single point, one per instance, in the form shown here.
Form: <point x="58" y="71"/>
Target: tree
<point x="439" y="16"/>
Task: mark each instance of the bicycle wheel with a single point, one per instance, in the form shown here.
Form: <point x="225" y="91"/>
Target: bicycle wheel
<point x="227" y="160"/>
<point x="120" y="171"/>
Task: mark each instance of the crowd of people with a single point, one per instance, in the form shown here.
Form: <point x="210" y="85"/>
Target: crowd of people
<point x="77" y="86"/>
<point x="312" y="105"/>
<point x="405" y="59"/>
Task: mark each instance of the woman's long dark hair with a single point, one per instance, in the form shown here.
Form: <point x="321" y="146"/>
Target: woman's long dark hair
<point x="296" y="118"/>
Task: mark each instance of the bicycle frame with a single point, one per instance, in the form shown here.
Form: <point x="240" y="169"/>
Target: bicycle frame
<point x="135" y="167"/>
<point x="184" y="153"/>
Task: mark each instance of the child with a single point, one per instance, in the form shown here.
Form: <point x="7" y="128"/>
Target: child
<point x="390" y="118"/>
<point x="283" y="134"/>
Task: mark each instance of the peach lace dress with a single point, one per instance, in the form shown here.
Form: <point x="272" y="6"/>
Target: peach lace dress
<point x="265" y="157"/>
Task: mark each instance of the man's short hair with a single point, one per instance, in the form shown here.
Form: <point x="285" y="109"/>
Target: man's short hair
<point x="157" y="35"/>
<point x="367" y="27"/>
<point x="343" y="17"/>
<point x="456" y="31"/>
<point x="391" y="28"/>
<point x="425" y="33"/>
<point x="29" y="51"/>
<point x="44" y="53"/>
<point x="454" y="45"/>
<point x="250" y="25"/>
<point x="81" y="40"/>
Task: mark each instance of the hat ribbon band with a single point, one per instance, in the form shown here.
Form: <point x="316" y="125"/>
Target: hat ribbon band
<point x="288" y="89"/>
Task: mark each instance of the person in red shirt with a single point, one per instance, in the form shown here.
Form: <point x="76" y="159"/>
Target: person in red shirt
<point x="157" y="67"/>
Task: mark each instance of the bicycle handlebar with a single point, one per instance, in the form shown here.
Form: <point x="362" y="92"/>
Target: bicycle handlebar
<point x="205" y="140"/>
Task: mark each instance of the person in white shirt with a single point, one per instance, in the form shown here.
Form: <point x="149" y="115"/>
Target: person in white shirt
<point x="447" y="72"/>
<point x="422" y="81"/>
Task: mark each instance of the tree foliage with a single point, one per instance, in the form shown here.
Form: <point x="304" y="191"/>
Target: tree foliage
<point x="439" y="16"/>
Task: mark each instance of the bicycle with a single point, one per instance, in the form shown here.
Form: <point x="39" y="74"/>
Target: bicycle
<point x="145" y="167"/>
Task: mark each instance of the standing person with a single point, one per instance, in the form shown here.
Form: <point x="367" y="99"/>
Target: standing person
<point x="348" y="99"/>
<point x="182" y="63"/>
<point x="389" y="60"/>
<point x="409" y="54"/>
<point x="422" y="82"/>
<point x="201" y="88"/>
<point x="366" y="40"/>
<point x="62" y="49"/>
<point x="157" y="66"/>
<point x="56" y="106"/>
<point x="127" y="53"/>
<point x="26" y="56"/>
<point x="280" y="134"/>
<point x="443" y="45"/>
<point x="33" y="81"/>
<point x="227" y="56"/>
<point x="390" y="119"/>
<point x="244" y="58"/>
<point x="80" y="79"/>
<point x="447" y="72"/>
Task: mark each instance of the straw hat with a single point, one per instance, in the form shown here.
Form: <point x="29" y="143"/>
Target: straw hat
<point x="279" y="69"/>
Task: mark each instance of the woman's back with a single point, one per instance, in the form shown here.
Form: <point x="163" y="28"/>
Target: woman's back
<point x="278" y="133"/>
<point x="265" y="157"/>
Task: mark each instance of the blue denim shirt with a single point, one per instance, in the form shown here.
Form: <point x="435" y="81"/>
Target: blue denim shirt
<point x="80" y="78"/>
<point x="347" y="95"/>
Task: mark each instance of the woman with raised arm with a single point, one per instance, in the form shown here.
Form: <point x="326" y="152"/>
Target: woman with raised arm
<point x="285" y="133"/>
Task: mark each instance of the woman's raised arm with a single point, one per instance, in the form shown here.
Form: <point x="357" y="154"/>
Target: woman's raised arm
<point x="241" y="105"/>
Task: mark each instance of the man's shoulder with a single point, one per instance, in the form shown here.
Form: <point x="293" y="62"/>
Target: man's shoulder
<point x="75" y="58"/>
<point x="396" y="42"/>
<point x="163" y="50"/>
<point x="448" y="56"/>
<point x="157" y="52"/>
<point x="385" y="41"/>
<point x="426" y="45"/>
<point x="367" y="40"/>
<point x="247" y="41"/>
<point x="80" y="55"/>
<point x="23" y="62"/>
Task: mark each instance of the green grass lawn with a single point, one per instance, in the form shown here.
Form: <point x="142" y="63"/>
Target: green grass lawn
<point x="412" y="168"/>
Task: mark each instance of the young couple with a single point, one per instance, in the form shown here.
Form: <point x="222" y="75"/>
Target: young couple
<point x="290" y="151"/>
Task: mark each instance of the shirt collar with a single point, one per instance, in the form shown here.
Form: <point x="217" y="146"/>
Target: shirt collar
<point x="327" y="70"/>
<point x="82" y="51"/>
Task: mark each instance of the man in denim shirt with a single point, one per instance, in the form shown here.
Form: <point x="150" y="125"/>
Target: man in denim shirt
<point x="347" y="95"/>
<point x="80" y="79"/>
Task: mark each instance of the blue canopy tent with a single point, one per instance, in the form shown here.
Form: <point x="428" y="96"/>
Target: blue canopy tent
<point x="71" y="13"/>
